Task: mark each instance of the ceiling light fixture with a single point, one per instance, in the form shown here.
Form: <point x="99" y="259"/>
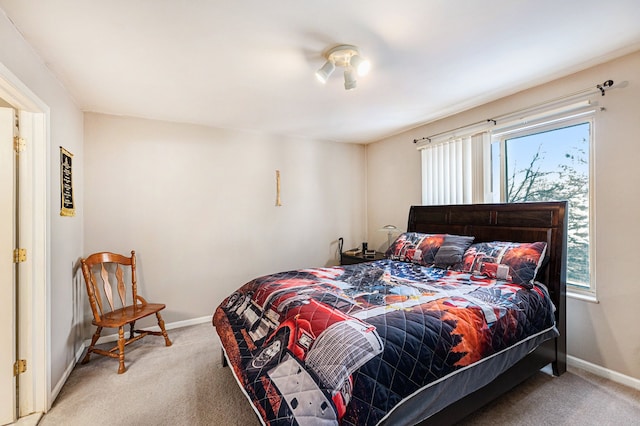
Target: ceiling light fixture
<point x="350" y="82"/>
<point x="348" y="57"/>
<point x="323" y="73"/>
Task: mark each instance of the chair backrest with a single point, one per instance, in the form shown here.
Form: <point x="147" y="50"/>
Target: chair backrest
<point x="107" y="277"/>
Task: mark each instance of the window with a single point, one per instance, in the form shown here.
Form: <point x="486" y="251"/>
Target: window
<point x="550" y="162"/>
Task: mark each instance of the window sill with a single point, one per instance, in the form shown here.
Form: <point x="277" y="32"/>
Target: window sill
<point x="585" y="297"/>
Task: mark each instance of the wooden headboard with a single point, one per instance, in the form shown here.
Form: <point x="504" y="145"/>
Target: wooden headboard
<point x="518" y="222"/>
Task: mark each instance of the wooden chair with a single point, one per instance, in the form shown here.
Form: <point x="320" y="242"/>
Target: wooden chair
<point x="117" y="312"/>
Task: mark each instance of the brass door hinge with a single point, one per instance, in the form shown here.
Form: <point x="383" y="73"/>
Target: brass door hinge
<point x="19" y="367"/>
<point x="19" y="144"/>
<point x="19" y="255"/>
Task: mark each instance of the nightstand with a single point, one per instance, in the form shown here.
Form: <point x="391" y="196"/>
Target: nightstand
<point x="350" y="259"/>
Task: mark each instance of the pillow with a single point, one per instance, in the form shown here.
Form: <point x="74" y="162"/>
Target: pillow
<point x="415" y="247"/>
<point x="513" y="262"/>
<point x="451" y="251"/>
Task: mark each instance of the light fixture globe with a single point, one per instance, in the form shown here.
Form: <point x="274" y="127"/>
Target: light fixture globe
<point x="347" y="57"/>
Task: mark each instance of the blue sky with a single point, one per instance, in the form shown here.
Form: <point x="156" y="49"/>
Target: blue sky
<point x="554" y="145"/>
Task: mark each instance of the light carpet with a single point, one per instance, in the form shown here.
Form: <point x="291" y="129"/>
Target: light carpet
<point x="185" y="384"/>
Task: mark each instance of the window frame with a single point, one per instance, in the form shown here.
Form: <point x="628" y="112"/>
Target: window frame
<point x="500" y="136"/>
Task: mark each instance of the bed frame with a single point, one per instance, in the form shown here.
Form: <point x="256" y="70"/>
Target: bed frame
<point x="518" y="222"/>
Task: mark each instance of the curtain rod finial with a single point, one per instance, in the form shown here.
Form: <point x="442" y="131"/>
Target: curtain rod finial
<point x="604" y="85"/>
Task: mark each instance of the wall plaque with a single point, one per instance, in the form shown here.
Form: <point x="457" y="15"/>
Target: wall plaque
<point x="67" y="207"/>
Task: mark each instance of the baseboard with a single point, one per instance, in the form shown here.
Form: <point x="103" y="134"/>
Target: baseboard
<point x="168" y="326"/>
<point x="29" y="420"/>
<point x="112" y="338"/>
<point x="614" y="376"/>
<point x="56" y="390"/>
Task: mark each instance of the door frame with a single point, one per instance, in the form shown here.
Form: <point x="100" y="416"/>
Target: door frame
<point x="8" y="296"/>
<point x="35" y="332"/>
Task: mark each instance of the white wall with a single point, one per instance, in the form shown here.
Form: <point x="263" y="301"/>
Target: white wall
<point x="198" y="205"/>
<point x="604" y="334"/>
<point x="65" y="233"/>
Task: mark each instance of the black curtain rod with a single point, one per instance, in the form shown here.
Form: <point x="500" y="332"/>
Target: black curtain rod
<point x="428" y="138"/>
<point x="602" y="87"/>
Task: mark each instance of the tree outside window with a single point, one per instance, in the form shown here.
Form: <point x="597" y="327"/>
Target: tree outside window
<point x="551" y="165"/>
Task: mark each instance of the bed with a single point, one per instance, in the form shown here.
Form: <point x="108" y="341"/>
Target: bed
<point x="399" y="340"/>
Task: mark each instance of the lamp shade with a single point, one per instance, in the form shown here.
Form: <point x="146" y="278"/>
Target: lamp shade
<point x="350" y="82"/>
<point x="362" y="66"/>
<point x="390" y="230"/>
<point x="325" y="71"/>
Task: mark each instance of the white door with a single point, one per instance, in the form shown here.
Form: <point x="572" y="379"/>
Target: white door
<point x="7" y="282"/>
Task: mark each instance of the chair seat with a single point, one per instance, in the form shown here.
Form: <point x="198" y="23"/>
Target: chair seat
<point x="128" y="314"/>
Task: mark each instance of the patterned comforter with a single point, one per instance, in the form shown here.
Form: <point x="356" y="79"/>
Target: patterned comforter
<point x="349" y="345"/>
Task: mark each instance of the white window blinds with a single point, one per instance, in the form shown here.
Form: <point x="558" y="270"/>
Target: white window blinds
<point x="453" y="171"/>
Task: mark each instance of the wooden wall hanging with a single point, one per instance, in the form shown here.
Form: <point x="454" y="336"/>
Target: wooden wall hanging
<point x="278" y="202"/>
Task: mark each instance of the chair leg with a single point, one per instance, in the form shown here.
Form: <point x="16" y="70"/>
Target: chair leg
<point x="94" y="339"/>
<point x="164" y="332"/>
<point x="121" y="368"/>
<point x="132" y="325"/>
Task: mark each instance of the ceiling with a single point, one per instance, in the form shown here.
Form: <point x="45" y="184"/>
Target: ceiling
<point x="250" y="64"/>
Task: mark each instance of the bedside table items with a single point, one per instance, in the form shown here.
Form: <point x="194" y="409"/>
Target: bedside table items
<point x="366" y="252"/>
<point x="358" y="254"/>
<point x="350" y="259"/>
<point x="353" y="252"/>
